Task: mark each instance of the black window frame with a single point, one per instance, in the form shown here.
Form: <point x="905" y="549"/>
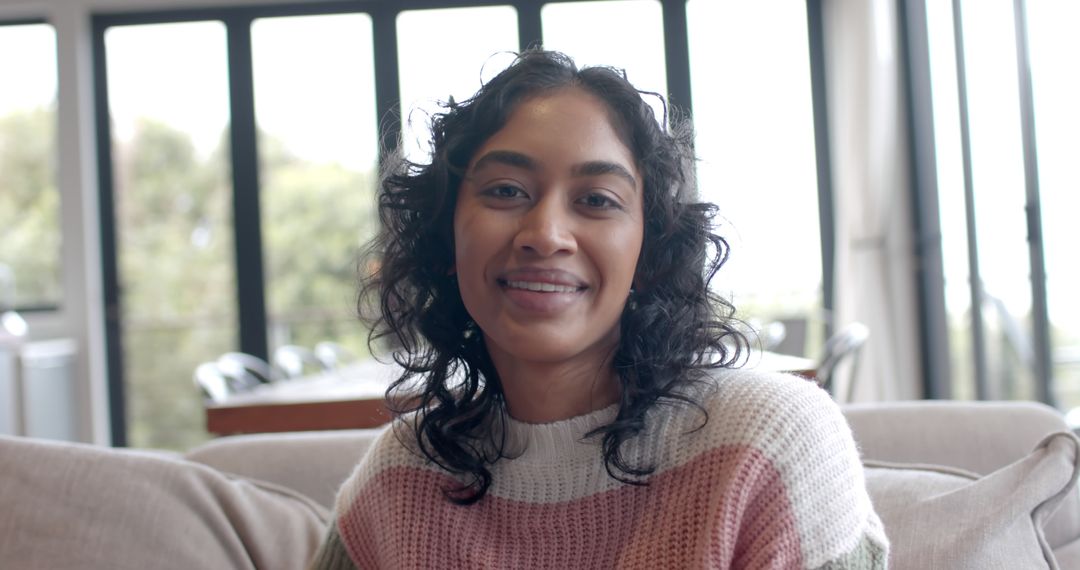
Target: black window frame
<point x="248" y="244"/>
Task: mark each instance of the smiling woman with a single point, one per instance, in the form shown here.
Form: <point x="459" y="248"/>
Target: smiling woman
<point x="569" y="376"/>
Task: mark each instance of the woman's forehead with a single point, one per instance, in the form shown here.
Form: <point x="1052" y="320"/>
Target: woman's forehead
<point x="571" y="122"/>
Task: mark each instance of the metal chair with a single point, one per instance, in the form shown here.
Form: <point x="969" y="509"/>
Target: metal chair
<point x="250" y="370"/>
<point x="841" y="352"/>
<point x="332" y="355"/>
<point x="213" y="384"/>
<point x="294" y="360"/>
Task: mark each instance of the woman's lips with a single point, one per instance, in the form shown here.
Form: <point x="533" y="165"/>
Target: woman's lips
<point x="540" y="296"/>
<point x="542" y="275"/>
<point x="541" y="287"/>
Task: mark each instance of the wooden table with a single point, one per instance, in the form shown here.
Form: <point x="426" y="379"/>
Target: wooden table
<point x="348" y="398"/>
<point x="353" y="398"/>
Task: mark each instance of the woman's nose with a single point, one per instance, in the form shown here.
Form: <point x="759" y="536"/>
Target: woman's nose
<point x="547" y="229"/>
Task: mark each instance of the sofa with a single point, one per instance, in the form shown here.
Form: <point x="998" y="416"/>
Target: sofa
<point x="957" y="485"/>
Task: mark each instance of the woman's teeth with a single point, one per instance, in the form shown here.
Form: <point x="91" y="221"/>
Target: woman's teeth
<point x="545" y="287"/>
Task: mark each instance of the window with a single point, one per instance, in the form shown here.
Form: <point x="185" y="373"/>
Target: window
<point x="321" y="94"/>
<point x="315" y="108"/>
<point x="755" y="139"/>
<point x="994" y="346"/>
<point x="437" y="60"/>
<point x="743" y="117"/>
<point x="30" y="272"/>
<point x="636" y="44"/>
<point x="1055" y="54"/>
<point x="173" y="213"/>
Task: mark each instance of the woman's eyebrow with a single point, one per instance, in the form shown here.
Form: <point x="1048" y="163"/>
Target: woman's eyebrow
<point x="526" y="162"/>
<point x="601" y="167"/>
<point x="507" y="157"/>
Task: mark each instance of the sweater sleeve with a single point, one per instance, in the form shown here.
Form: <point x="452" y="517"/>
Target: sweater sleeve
<point x="385" y="452"/>
<point x="868" y="554"/>
<point x="332" y="554"/>
<point x="824" y="466"/>
<point x="806" y="440"/>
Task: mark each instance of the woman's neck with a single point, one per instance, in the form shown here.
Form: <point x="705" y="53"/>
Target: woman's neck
<point x="543" y="392"/>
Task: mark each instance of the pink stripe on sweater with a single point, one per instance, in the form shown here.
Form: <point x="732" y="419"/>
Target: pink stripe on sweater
<point x="725" y="508"/>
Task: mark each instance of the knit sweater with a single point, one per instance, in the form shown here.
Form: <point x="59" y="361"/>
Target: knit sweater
<point x="772" y="480"/>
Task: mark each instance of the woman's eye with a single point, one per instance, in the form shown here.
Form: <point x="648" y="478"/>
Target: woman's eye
<point x="598" y="201"/>
<point x="504" y="191"/>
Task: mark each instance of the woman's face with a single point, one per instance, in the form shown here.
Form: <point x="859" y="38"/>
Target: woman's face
<point x="548" y="229"/>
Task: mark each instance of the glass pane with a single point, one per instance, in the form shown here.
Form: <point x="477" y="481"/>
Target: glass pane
<point x="439" y="56"/>
<point x="315" y="107"/>
<point x="953" y="218"/>
<point x="635" y="43"/>
<point x="1055" y="57"/>
<point x="755" y="140"/>
<point x="29" y="199"/>
<point x="174" y="220"/>
<point x="998" y="179"/>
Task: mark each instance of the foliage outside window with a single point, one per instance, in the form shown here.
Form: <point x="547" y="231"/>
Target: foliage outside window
<point x="173" y="212"/>
<point x="317" y="170"/>
<point x="173" y="195"/>
<point x="30" y="273"/>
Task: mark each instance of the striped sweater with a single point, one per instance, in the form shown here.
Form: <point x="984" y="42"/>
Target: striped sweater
<point x="772" y="480"/>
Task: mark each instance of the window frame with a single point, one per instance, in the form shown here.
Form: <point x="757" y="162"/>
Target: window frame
<point x="252" y="314"/>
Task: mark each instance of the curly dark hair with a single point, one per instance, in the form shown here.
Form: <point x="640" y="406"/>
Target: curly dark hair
<point x="673" y="330"/>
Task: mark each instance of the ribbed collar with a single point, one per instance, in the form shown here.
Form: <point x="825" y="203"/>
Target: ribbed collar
<point x="562" y="441"/>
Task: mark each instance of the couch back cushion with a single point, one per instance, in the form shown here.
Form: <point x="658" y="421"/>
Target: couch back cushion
<point x="77" y="506"/>
<point x="313" y="463"/>
<point x="975" y="436"/>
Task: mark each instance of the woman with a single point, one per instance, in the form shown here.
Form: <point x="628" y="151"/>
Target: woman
<point x="545" y="278"/>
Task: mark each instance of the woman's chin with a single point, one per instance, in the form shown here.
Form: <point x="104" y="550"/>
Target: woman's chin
<point x="550" y="346"/>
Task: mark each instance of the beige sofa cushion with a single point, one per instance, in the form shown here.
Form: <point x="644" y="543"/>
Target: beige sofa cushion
<point x="942" y="517"/>
<point x="78" y="506"/>
<point x="313" y="463"/>
<point x="980" y="437"/>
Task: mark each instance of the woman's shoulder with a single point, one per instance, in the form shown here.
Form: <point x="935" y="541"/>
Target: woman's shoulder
<point x="763" y="395"/>
<point x="750" y="405"/>
<point x="787" y="421"/>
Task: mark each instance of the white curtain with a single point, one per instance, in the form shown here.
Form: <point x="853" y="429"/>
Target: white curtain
<point x="874" y="265"/>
